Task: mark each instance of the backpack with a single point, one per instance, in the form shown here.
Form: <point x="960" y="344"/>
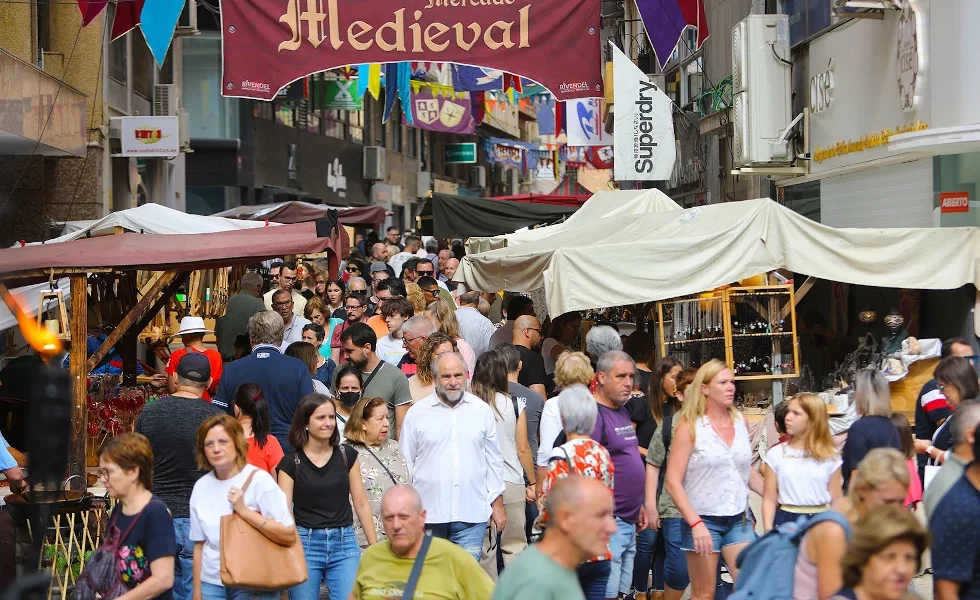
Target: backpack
<point x="765" y="568"/>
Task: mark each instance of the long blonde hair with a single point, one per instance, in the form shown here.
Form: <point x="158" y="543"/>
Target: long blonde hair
<point x="695" y="402"/>
<point x="817" y="441"/>
<point x="878" y="467"/>
<point x="446" y="316"/>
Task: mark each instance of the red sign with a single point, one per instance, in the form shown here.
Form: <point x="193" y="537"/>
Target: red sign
<point x="270" y="43"/>
<point x="954" y="202"/>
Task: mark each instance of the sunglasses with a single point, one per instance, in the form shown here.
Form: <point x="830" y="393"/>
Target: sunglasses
<point x="353" y="270"/>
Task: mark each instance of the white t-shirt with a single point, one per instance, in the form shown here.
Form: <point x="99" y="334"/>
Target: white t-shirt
<point x="803" y="480"/>
<point x="549" y="429"/>
<point x="391" y="350"/>
<point x="546" y="348"/>
<point x="209" y="502"/>
<point x="507" y="437"/>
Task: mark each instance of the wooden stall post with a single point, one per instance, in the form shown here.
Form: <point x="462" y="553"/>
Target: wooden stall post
<point x="78" y="371"/>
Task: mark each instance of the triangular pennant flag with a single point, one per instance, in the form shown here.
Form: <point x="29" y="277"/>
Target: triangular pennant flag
<point x="126" y="19"/>
<point x="362" y="80"/>
<point x="91" y="9"/>
<point x="513" y="82"/>
<point x="374" y="80"/>
<point x="158" y="22"/>
<point x="405" y="90"/>
<point x="478" y="106"/>
<point x="391" y="89"/>
<point x="560" y="124"/>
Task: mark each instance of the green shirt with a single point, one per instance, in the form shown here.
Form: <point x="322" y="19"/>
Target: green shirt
<point x="657" y="456"/>
<point x="534" y="576"/>
<point x="449" y="573"/>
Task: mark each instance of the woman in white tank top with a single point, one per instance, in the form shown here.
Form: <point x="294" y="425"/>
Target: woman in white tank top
<point x="708" y="476"/>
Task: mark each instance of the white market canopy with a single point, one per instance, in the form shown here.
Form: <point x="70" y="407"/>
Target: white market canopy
<point x="155" y="219"/>
<point x="602" y="204"/>
<point x="30" y="299"/>
<point x="631" y="259"/>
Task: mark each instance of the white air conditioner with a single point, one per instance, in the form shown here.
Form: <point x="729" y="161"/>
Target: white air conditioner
<point x="187" y="23"/>
<point x="374" y="163"/>
<point x="761" y="85"/>
<point x="184" y="126"/>
<point x="423" y="184"/>
<point x="478" y="176"/>
<point x="165" y="100"/>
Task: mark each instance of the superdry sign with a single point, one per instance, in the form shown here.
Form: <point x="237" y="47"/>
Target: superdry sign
<point x="268" y="43"/>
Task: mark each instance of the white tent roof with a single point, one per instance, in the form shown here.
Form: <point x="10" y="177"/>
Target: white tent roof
<point x="29" y="297"/>
<point x="153" y="218"/>
<point x="601" y="204"/>
<point x="632" y="259"/>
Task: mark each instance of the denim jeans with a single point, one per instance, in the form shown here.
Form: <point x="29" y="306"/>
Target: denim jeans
<point x="468" y="536"/>
<point x="209" y="591"/>
<point x="530" y="515"/>
<point x="592" y="576"/>
<point x="622" y="546"/>
<point x="675" y="561"/>
<point x="647" y="558"/>
<point x="331" y="558"/>
<point x="183" y="560"/>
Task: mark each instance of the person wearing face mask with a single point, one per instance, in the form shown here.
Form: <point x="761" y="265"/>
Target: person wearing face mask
<point x="346" y="393"/>
<point x="322" y="480"/>
<point x="383" y="465"/>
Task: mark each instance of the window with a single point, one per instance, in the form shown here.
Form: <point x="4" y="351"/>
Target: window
<point x="212" y="116"/>
<point x="143" y="68"/>
<point x="396" y="130"/>
<point x="412" y="135"/>
<point x="118" y="60"/>
<point x="43" y="9"/>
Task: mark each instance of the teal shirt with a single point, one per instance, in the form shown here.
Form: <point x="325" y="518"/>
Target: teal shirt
<point x="534" y="576"/>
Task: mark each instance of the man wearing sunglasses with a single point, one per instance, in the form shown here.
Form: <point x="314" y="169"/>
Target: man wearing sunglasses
<point x="287" y="279"/>
<point x="932" y="409"/>
<point x="356" y="307"/>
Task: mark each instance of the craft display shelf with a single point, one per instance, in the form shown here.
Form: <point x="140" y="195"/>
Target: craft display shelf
<point x="68" y="543"/>
<point x="752" y="329"/>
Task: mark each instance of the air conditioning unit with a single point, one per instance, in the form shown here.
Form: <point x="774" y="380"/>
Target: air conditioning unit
<point x="761" y="85"/>
<point x="187" y="23"/>
<point x="165" y="100"/>
<point x="184" y="126"/>
<point x="423" y="184"/>
<point x="374" y="163"/>
<point x="478" y="176"/>
<point x="498" y="174"/>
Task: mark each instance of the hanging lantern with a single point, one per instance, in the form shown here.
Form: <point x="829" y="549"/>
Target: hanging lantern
<point x="57" y="326"/>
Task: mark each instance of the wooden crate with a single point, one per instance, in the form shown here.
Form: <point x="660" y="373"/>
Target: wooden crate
<point x="905" y="392"/>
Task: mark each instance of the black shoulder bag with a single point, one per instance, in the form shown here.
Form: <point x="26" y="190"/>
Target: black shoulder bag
<point x="413" y="578"/>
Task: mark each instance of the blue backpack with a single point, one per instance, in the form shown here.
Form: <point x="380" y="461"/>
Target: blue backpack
<point x="765" y="568"/>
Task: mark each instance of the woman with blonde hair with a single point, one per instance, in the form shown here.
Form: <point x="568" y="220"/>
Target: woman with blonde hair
<point x="874" y="428"/>
<point x="804" y="475"/>
<point x="416" y="297"/>
<point x="709" y="475"/>
<point x="881" y="479"/>
<point x="423" y="384"/>
<point x="884" y="555"/>
<point x="443" y="316"/>
<point x="571" y="368"/>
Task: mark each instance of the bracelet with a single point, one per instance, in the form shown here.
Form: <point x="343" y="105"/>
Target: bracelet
<point x="532" y="484"/>
<point x="264" y="521"/>
<point x="696" y="523"/>
<point x="929" y="450"/>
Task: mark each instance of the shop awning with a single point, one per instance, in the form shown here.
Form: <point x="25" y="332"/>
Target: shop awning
<point x="301" y="212"/>
<point x="449" y="216"/>
<point x="633" y="259"/>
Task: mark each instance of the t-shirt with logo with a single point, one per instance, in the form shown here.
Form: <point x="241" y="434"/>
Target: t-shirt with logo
<point x="614" y="430"/>
<point x="449" y="573"/>
<point x="151" y="537"/>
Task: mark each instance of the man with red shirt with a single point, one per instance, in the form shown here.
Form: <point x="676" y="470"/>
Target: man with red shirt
<point x="192" y="334"/>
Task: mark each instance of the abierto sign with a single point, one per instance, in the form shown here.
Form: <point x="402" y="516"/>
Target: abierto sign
<point x="954" y="202"/>
<point x="266" y="45"/>
<point x="644" y="145"/>
<point x="149" y="136"/>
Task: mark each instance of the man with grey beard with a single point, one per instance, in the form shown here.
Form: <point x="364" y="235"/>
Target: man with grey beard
<point x="449" y="440"/>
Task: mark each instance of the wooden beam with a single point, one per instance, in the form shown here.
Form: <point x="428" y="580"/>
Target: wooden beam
<point x="78" y="370"/>
<point x="805" y="287"/>
<point x="165" y="296"/>
<point x="131" y="318"/>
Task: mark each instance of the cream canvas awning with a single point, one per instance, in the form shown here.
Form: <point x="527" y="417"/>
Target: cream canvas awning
<point x="632" y="259"/>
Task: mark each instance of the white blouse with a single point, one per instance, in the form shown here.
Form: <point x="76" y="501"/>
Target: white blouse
<point x="717" y="477"/>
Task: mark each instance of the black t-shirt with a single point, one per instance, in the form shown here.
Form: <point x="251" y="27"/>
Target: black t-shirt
<point x="321" y="495"/>
<point x="151" y="537"/>
<point x="340" y="313"/>
<point x="532" y="370"/>
<point x="170" y="423"/>
<point x="866" y="434"/>
<point x="643" y="380"/>
<point x="640" y="413"/>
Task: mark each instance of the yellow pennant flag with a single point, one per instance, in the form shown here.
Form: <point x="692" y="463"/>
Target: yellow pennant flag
<point x="374" y="80"/>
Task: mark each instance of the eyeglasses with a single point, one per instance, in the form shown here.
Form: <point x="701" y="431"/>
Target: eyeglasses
<point x="282" y="304"/>
<point x="538" y="329"/>
<point x="293" y="278"/>
<point x="432" y="291"/>
<point x="409" y="340"/>
<point x="973" y="359"/>
<point x="354" y="307"/>
<point x="942" y="387"/>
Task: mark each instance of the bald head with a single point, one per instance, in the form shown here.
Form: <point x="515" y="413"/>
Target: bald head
<point x="401" y="498"/>
<point x="404" y="520"/>
<point x="580" y="515"/>
<point x="527" y="332"/>
<point x="450" y="269"/>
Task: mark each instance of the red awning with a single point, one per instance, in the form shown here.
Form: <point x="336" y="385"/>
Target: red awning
<point x="180" y="251"/>
<point x="547" y="199"/>
<point x="301" y="212"/>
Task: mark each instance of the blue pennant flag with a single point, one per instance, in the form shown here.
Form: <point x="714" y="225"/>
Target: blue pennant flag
<point x="158" y="22"/>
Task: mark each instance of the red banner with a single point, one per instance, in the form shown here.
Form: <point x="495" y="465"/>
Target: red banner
<point x="268" y="43"/>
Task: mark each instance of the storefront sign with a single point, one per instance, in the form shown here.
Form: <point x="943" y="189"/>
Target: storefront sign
<point x="644" y="130"/>
<point x="822" y="90"/>
<point x="339" y="94"/>
<point x="335" y="178"/>
<point x="265" y="45"/>
<point x="150" y="136"/>
<point x="441" y="113"/>
<point x="908" y="56"/>
<point x="459" y="153"/>
<point x="954" y="202"/>
<point x="867" y="141"/>
<point x="585" y="126"/>
<point x="510" y="156"/>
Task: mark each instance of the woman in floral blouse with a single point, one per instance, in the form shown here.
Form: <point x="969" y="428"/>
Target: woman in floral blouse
<point x="381" y="460"/>
<point x="586" y="457"/>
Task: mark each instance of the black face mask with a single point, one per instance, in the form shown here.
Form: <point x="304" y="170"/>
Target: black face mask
<point x="349" y="399"/>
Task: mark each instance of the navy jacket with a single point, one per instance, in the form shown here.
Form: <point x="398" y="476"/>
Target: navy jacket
<point x="283" y="379"/>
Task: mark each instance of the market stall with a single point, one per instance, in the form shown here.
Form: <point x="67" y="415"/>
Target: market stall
<point x="300" y="212"/>
<point x="447" y="216"/>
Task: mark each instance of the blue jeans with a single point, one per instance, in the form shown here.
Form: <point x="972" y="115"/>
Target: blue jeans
<point x="647" y="557"/>
<point x="209" y="591"/>
<point x="675" y="561"/>
<point x="592" y="577"/>
<point x="183" y="560"/>
<point x="622" y="546"/>
<point x="468" y="536"/>
<point x="331" y="557"/>
<point x="784" y="516"/>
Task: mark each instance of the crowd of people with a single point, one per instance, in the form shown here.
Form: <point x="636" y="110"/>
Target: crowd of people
<point x="419" y="438"/>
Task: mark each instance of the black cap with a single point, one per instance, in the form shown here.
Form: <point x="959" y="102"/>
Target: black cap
<point x="195" y="367"/>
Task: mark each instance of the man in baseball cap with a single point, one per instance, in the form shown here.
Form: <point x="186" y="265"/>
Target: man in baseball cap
<point x="192" y="332"/>
<point x="196" y="368"/>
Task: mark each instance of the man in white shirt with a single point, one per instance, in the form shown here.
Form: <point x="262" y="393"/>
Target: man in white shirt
<point x="449" y="440"/>
<point x="282" y="303"/>
<point x="412" y="245"/>
<point x="287" y="279"/>
<point x="473" y="326"/>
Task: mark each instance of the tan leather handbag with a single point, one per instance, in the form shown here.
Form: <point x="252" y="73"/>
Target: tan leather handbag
<point x="252" y="561"/>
